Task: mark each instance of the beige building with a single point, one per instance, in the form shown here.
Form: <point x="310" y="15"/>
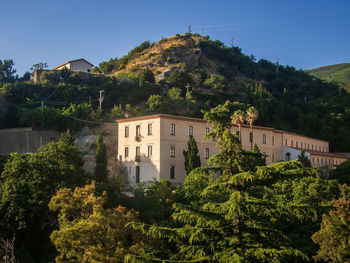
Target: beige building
<point x="76" y="65"/>
<point x="151" y="147"/>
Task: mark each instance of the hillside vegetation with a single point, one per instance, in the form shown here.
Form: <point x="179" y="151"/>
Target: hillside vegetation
<point x="182" y="75"/>
<point x="339" y="73"/>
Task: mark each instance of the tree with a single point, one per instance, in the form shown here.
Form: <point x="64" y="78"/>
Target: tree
<point x="147" y="76"/>
<point x="101" y="171"/>
<point x="192" y="159"/>
<point x="304" y="159"/>
<point x="27" y="184"/>
<point x="39" y="65"/>
<point x="238" y="118"/>
<point x="342" y="173"/>
<point x="241" y="215"/>
<point x="175" y="94"/>
<point x="7" y="71"/>
<point x="334" y="234"/>
<point x="90" y="233"/>
<point x="156" y="103"/>
<point x="251" y="116"/>
<point x="215" y="82"/>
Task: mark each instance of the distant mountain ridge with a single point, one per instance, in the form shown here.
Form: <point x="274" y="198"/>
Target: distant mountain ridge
<point x="338" y="73"/>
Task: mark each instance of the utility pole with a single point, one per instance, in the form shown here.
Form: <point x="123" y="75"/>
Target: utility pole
<point x="101" y="98"/>
<point x="231" y="42"/>
<point x="90" y="100"/>
<point x="189" y="28"/>
<point x="187" y="94"/>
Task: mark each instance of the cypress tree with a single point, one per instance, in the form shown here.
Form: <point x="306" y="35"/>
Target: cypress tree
<point x="192" y="159"/>
<point x="101" y="171"/>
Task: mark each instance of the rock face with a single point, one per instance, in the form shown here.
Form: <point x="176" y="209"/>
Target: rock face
<point x="86" y="141"/>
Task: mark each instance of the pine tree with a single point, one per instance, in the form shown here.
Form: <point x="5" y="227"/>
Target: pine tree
<point x="101" y="171"/>
<point x="334" y="235"/>
<point x="192" y="159"/>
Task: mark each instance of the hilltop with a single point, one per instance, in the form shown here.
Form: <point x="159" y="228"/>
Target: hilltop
<point x="182" y="75"/>
<point x="338" y="73"/>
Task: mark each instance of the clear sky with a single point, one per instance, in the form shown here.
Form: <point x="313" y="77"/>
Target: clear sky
<point x="301" y="33"/>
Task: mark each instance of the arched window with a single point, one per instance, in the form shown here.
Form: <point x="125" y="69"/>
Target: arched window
<point x="288" y="156"/>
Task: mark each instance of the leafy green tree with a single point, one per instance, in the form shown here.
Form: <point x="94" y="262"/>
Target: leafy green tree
<point x="101" y="171"/>
<point x="342" y="173"/>
<point x="90" y="233"/>
<point x="156" y="103"/>
<point x="27" y="184"/>
<point x="39" y="65"/>
<point x="175" y="94"/>
<point x="215" y="82"/>
<point x="192" y="159"/>
<point x="7" y="71"/>
<point x="334" y="234"/>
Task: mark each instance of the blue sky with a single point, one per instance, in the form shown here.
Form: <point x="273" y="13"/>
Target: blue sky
<point x="301" y="33"/>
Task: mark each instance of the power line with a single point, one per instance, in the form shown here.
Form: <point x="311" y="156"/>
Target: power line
<point x="95" y="122"/>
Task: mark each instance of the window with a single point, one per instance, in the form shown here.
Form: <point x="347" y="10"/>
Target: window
<point x="172" y="151"/>
<point x="288" y="156"/>
<point x="292" y="143"/>
<point x="172" y="132"/>
<point x="126" y="152"/>
<point x="149" y="129"/>
<point x="207" y="153"/>
<point x="323" y="149"/>
<point x="301" y="145"/>
<point x="206" y="130"/>
<point x="172" y="172"/>
<point x="138" y="130"/>
<point x="237" y="134"/>
<point x="296" y="144"/>
<point x="286" y="143"/>
<point x="273" y="157"/>
<point x="149" y="150"/>
<point x="251" y="137"/>
<point x="138" y="155"/>
<point x="190" y="130"/>
<point x="312" y="147"/>
<point x="264" y="138"/>
<point x="126" y="131"/>
<point x="88" y="70"/>
<point x="273" y="140"/>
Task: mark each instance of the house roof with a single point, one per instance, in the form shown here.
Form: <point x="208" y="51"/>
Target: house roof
<point x="168" y="116"/>
<point x="71" y="62"/>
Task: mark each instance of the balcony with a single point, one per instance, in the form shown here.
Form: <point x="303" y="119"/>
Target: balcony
<point x="138" y="138"/>
<point x="138" y="158"/>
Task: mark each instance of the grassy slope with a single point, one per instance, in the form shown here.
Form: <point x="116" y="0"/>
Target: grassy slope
<point x="339" y="73"/>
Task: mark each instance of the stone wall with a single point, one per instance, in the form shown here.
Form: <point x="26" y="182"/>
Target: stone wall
<point x="24" y="140"/>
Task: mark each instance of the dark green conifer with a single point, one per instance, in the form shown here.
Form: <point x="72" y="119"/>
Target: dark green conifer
<point x="101" y="171"/>
<point x="192" y="159"/>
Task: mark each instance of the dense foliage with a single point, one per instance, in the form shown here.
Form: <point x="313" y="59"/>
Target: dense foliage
<point x="285" y="98"/>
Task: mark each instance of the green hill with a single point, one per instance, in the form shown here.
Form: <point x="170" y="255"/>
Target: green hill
<point x="339" y="73"/>
<point x="182" y="75"/>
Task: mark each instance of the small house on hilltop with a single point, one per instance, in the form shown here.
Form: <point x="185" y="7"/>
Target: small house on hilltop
<point x="76" y="65"/>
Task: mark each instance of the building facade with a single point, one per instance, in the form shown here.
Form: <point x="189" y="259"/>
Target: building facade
<point x="76" y="65"/>
<point x="151" y="147"/>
